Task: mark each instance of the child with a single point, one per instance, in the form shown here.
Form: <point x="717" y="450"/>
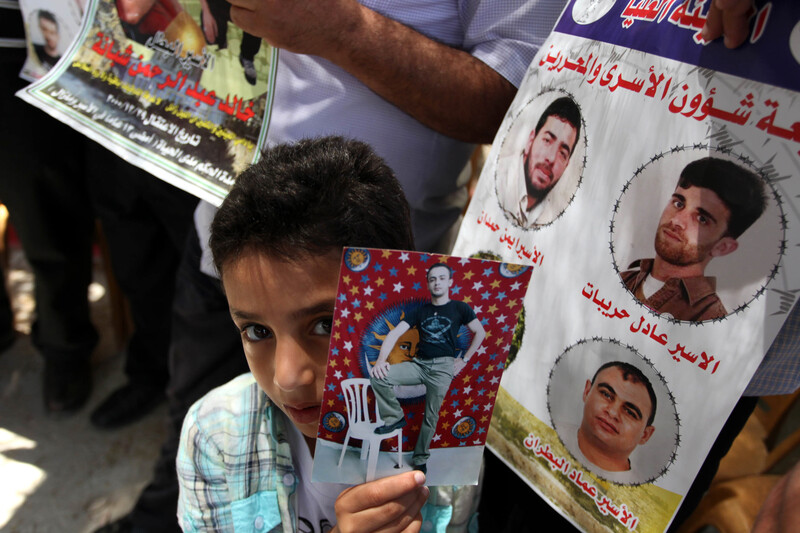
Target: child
<point x="245" y="457"/>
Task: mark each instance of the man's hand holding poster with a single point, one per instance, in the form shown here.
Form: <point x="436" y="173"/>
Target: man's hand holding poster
<point x="169" y="86"/>
<point x="650" y="180"/>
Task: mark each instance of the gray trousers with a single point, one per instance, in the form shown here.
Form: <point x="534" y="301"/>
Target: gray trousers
<point x="436" y="374"/>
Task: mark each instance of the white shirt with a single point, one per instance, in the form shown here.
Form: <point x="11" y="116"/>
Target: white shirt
<point x="315" y="501"/>
<point x="568" y="433"/>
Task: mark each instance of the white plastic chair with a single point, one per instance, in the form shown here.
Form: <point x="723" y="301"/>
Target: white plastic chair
<point x="361" y="427"/>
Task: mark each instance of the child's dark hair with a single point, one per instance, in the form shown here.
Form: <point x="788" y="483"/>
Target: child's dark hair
<point x="309" y="197"/>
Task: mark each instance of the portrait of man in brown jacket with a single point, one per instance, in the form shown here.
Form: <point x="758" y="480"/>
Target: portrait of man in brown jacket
<point x="714" y="202"/>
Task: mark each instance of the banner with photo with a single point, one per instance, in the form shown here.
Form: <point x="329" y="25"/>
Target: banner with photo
<point x="171" y="86"/>
<point x="651" y="181"/>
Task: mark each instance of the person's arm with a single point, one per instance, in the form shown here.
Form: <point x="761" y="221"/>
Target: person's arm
<point x="478" y="334"/>
<point x="381" y="368"/>
<point x="386" y="505"/>
<point x="444" y="88"/>
<point x="729" y="18"/>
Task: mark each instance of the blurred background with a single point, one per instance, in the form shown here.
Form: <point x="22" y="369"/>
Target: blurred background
<point x="65" y="475"/>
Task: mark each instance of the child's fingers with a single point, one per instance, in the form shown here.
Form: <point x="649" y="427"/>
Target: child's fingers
<point x="410" y="521"/>
<point x="379" y="492"/>
<point x="388" y="504"/>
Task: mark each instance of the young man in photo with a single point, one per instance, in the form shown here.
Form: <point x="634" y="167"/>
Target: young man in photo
<point x="618" y="413"/>
<point x="619" y="406"/>
<point x="714" y="202"/>
<point x="438" y="323"/>
<point x="545" y="157"/>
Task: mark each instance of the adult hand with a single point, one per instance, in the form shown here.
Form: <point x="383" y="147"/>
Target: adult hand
<point x="729" y="18"/>
<point x="444" y="88"/>
<point x="298" y="26"/>
<point x="389" y="505"/>
<point x="380" y="370"/>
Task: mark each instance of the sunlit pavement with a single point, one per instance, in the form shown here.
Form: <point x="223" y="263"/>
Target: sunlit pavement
<point x="62" y="474"/>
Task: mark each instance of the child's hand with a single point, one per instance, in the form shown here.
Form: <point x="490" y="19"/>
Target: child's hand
<point x="390" y="504"/>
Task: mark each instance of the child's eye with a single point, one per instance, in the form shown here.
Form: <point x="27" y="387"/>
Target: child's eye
<point x="323" y="326"/>
<point x="256" y="332"/>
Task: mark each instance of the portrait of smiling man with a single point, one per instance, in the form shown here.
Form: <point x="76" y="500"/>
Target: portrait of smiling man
<point x="547" y="153"/>
<point x="619" y="407"/>
<point x="714" y="202"/>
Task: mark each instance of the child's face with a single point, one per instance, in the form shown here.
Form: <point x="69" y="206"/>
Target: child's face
<point x="284" y="312"/>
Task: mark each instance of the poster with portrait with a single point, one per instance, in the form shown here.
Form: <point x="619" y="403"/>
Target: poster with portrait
<point x="418" y="346"/>
<point x="650" y="180"/>
<point x="170" y="86"/>
<point x="50" y="28"/>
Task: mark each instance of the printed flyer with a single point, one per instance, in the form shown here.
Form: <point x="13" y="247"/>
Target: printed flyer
<point x="170" y="86"/>
<point x="651" y="181"/>
<point x="418" y="346"/>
